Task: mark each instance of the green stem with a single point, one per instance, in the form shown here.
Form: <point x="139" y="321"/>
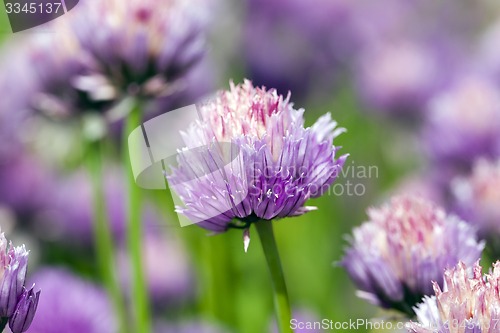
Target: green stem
<point x="102" y="234"/>
<point x="281" y="303"/>
<point x="140" y="297"/>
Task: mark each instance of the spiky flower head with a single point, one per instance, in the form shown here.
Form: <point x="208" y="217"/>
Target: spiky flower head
<point x="144" y="45"/>
<point x="16" y="302"/>
<point x="405" y="245"/>
<point x="468" y="303"/>
<point x="259" y="161"/>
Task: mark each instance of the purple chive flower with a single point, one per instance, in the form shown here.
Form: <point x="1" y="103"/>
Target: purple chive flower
<point x="404" y="246"/>
<point x="141" y="46"/>
<point x="398" y="78"/>
<point x="17" y="305"/>
<point x="13" y="266"/>
<point x="67" y="80"/>
<point x="25" y="311"/>
<point x="70" y="304"/>
<point x="469" y="303"/>
<point x="275" y="164"/>
<point x="477" y="196"/>
<point x="464" y="123"/>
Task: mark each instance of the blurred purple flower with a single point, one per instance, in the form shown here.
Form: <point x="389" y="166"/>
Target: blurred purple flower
<point x="70" y="304"/>
<point x="467" y="304"/>
<point x="464" y="123"/>
<point x="166" y="268"/>
<point x="16" y="85"/>
<point x="69" y="212"/>
<point x="296" y="45"/>
<point x="67" y="79"/>
<point x="145" y="47"/>
<point x="398" y="78"/>
<point x="280" y="164"/>
<point x="477" y="196"/>
<point x="24" y="183"/>
<point x="406" y="244"/>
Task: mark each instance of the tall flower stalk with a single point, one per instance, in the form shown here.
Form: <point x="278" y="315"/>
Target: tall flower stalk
<point x="104" y="242"/>
<point x="281" y="302"/>
<point x="140" y="299"/>
<point x="258" y="163"/>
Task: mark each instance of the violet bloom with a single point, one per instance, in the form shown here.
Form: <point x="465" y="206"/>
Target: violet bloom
<point x="398" y="78"/>
<point x="464" y="123"/>
<point x="272" y="167"/>
<point x="67" y="80"/>
<point x="25" y="311"/>
<point x="143" y="46"/>
<point x="71" y="304"/>
<point x="477" y="197"/>
<point x="69" y="213"/>
<point x="15" y="302"/>
<point x="24" y="183"/>
<point x="467" y="304"/>
<point x="404" y="246"/>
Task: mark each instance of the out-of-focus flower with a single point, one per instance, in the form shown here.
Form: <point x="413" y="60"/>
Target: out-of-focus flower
<point x="25" y="311"/>
<point x="398" y="78"/>
<point x="274" y="164"/>
<point x="467" y="304"/>
<point x="71" y="304"/>
<point x="296" y="45"/>
<point x="489" y="54"/>
<point x="464" y="123"/>
<point x="14" y="299"/>
<point x="67" y="80"/>
<point x="166" y="268"/>
<point x="69" y="213"/>
<point x="16" y="86"/>
<point x="478" y="196"/>
<point x="420" y="185"/>
<point x="144" y="47"/>
<point x="406" y="244"/>
<point x="24" y="183"/>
